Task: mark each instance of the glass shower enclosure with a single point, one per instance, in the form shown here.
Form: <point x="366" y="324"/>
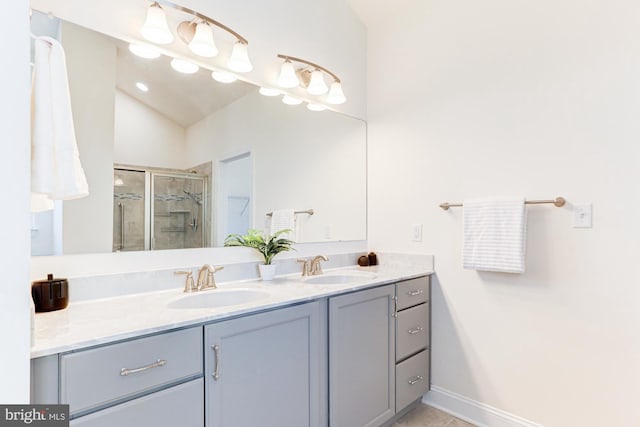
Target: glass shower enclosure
<point x="158" y="210"/>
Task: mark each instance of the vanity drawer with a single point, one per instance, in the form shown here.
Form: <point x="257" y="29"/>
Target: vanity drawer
<point x="412" y="292"/>
<point x="412" y="379"/>
<point x="97" y="377"/>
<point x="181" y="405"/>
<point x="412" y="331"/>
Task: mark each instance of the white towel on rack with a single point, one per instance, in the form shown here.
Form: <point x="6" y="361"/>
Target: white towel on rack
<point x="284" y="219"/>
<point x="495" y="234"/>
<point x="55" y="162"/>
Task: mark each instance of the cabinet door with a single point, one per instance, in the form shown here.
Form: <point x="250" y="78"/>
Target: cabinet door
<point x="267" y="369"/>
<point x="362" y="358"/>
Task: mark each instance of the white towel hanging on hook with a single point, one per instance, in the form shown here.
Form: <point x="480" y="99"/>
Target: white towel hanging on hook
<point x="56" y="171"/>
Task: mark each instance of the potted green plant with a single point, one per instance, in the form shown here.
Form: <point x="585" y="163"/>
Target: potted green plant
<point x="269" y="245"/>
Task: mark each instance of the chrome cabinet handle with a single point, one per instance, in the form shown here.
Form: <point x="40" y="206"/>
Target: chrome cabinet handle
<point x="395" y="306"/>
<point x="415" y="330"/>
<point x="415" y="380"/>
<point x="126" y="371"/>
<point x="216" y="355"/>
<point x="415" y="292"/>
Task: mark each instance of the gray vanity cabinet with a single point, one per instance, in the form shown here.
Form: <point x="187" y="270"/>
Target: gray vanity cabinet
<point x="153" y="380"/>
<point x="267" y="369"/>
<point x="362" y="358"/>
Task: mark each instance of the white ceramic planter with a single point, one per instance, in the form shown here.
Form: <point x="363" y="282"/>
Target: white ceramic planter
<point x="267" y="272"/>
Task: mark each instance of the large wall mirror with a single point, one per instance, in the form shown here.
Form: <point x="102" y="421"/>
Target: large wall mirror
<point x="181" y="161"/>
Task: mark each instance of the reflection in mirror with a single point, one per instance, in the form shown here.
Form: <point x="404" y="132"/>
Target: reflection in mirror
<point x="252" y="155"/>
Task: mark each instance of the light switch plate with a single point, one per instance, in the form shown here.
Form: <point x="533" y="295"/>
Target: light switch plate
<point x="582" y="215"/>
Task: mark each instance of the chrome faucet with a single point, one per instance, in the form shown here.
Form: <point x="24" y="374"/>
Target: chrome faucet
<point x="315" y="268"/>
<point x="189" y="284"/>
<point x="306" y="266"/>
<point x="205" y="277"/>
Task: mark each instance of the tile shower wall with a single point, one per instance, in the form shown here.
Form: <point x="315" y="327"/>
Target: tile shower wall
<point x="178" y="212"/>
<point x="180" y="203"/>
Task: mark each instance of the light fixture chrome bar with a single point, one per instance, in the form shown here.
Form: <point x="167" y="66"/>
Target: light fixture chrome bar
<point x="309" y="63"/>
<point x="204" y="18"/>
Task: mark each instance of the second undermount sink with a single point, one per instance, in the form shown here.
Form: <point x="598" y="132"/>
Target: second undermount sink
<point x="341" y="278"/>
<point x="216" y="298"/>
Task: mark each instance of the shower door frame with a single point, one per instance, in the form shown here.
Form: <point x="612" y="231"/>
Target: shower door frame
<point x="150" y="183"/>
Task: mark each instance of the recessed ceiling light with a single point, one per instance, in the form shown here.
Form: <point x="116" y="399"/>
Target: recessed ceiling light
<point x="290" y="100"/>
<point x="316" y="107"/>
<point x="143" y="51"/>
<point x="223" y="77"/>
<point x="143" y="87"/>
<point x="269" y="92"/>
<point x="182" y="66"/>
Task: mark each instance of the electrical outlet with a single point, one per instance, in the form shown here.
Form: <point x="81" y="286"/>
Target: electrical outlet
<point x="582" y="216"/>
<point x="416" y="232"/>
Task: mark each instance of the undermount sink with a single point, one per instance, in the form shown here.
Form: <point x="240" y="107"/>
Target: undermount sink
<point x="215" y="298"/>
<point x="343" y="278"/>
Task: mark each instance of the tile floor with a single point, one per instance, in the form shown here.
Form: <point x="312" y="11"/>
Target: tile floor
<point x="426" y="416"/>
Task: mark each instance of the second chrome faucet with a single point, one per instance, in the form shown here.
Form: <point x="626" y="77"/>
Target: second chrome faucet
<point x="312" y="267"/>
<point x="205" y="278"/>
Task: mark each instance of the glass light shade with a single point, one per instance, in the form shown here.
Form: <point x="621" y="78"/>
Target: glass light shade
<point x="290" y="100"/>
<point x="317" y="86"/>
<point x="185" y="67"/>
<point x="336" y="96"/>
<point x="155" y="28"/>
<point x="239" y="60"/>
<point x="288" y="78"/>
<point x="223" y="77"/>
<point x="142" y="87"/>
<point x="144" y="51"/>
<point x="316" y="107"/>
<point x="269" y="92"/>
<point x="202" y="43"/>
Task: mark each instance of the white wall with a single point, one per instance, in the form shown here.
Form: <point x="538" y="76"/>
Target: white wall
<point x="14" y="235"/>
<point x="88" y="222"/>
<point x="302" y="160"/>
<point x="539" y="99"/>
<point x="144" y="137"/>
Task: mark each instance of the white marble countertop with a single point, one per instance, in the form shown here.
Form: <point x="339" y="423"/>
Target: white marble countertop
<point x="90" y="323"/>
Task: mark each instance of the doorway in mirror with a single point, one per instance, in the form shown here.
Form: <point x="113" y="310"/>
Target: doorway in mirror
<point x="235" y="196"/>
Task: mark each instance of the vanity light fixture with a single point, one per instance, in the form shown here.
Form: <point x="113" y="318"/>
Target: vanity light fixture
<point x="184" y="66"/>
<point x="202" y="43"/>
<point x="143" y="51"/>
<point x="310" y="76"/>
<point x="288" y="78"/>
<point x="239" y="60"/>
<point x="336" y="96"/>
<point x="290" y="100"/>
<point x="155" y="27"/>
<point x="266" y="91"/>
<point x="196" y="32"/>
<point x="223" y="77"/>
<point x="317" y="86"/>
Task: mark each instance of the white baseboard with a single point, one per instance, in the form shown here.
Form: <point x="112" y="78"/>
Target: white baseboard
<point x="473" y="411"/>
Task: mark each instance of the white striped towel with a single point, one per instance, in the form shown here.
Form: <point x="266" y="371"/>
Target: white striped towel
<point x="495" y="232"/>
